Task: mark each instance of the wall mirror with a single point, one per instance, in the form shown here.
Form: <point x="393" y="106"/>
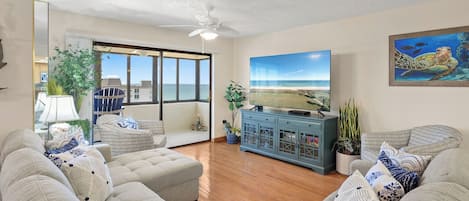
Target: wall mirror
<point x="40" y="62"/>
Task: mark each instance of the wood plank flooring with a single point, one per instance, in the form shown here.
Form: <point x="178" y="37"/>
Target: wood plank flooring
<point x="233" y="175"/>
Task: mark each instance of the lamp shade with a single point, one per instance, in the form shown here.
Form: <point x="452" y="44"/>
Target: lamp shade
<point x="59" y="109"/>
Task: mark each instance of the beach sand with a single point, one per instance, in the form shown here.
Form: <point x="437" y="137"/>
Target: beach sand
<point x="285" y="97"/>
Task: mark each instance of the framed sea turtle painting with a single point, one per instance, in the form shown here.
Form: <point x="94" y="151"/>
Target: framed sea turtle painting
<point x="430" y="58"/>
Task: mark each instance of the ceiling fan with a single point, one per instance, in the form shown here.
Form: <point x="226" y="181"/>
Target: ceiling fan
<point x="208" y="27"/>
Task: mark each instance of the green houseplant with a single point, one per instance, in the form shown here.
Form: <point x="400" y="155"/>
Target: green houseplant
<point x="348" y="142"/>
<point x="235" y="94"/>
<point x="74" y="72"/>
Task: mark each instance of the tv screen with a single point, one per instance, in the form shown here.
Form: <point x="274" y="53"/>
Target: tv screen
<point x="297" y="81"/>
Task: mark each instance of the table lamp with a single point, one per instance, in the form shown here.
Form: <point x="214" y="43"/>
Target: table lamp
<point x="58" y="109"/>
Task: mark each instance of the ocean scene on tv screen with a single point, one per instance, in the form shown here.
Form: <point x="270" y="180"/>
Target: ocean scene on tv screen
<point x="297" y="81"/>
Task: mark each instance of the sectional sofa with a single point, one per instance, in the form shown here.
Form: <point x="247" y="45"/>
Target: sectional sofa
<point x="150" y="175"/>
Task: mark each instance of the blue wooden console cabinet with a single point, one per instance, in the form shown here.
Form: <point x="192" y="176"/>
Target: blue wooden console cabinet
<point x="302" y="140"/>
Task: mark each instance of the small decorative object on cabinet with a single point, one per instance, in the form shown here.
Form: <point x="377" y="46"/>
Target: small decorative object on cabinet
<point x="302" y="140"/>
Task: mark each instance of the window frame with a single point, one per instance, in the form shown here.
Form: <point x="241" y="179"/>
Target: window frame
<point x="157" y="75"/>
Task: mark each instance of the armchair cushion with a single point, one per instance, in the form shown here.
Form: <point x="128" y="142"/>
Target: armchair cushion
<point x="433" y="134"/>
<point x="371" y="142"/>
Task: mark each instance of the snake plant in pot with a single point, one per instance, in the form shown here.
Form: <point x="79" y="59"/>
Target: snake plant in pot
<point x="348" y="142"/>
<point x="235" y="94"/>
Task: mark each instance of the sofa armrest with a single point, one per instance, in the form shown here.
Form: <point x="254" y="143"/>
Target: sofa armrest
<point x="431" y="149"/>
<point x="156" y="127"/>
<point x="105" y="150"/>
<point x="361" y="165"/>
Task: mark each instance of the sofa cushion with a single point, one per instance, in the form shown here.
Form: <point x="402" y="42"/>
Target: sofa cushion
<point x="382" y="182"/>
<point x="133" y="191"/>
<point x="22" y="138"/>
<point x="26" y="162"/>
<point x="405" y="160"/>
<point x="437" y="192"/>
<point x="39" y="188"/>
<point x="448" y="166"/>
<point x="355" y="188"/>
<point x="432" y="134"/>
<point x="156" y="168"/>
<point x="89" y="176"/>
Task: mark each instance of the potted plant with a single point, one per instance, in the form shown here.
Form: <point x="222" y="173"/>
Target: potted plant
<point x="74" y="72"/>
<point x="348" y="142"/>
<point x="235" y="94"/>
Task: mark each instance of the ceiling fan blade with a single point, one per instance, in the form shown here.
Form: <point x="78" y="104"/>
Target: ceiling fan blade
<point x="196" y="32"/>
<point x="225" y="29"/>
<point x="178" y="25"/>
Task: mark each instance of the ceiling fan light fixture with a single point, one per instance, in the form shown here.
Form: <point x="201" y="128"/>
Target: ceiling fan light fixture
<point x="208" y="35"/>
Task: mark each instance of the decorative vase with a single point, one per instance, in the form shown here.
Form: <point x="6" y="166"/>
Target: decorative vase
<point x="342" y="162"/>
<point x="231" y="138"/>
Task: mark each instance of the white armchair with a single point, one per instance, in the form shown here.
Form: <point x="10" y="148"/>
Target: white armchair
<point x="124" y="140"/>
<point x="423" y="140"/>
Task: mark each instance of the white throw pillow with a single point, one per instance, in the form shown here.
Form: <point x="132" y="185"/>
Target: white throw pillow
<point x="382" y="182"/>
<point x="356" y="188"/>
<point x="89" y="175"/>
<point x="406" y="160"/>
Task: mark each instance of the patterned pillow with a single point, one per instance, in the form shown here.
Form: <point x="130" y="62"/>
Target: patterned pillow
<point x="62" y="133"/>
<point x="128" y="123"/>
<point x="408" y="179"/>
<point x="63" y="157"/>
<point x="88" y="174"/>
<point x="383" y="183"/>
<point x="70" y="145"/>
<point x="408" y="161"/>
<point x="355" y="188"/>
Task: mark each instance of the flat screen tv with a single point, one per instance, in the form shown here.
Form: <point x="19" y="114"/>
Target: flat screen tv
<point x="296" y="81"/>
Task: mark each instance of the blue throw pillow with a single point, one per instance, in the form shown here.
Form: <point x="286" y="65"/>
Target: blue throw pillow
<point x="408" y="179"/>
<point x="128" y="123"/>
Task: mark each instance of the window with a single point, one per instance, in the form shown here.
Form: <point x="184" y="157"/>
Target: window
<point x="187" y="76"/>
<point x="204" y="79"/>
<point x="169" y="79"/>
<point x="141" y="75"/>
<point x="114" y="71"/>
<point x="136" y="71"/>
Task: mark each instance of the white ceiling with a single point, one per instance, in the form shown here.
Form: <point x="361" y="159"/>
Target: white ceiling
<point x="248" y="17"/>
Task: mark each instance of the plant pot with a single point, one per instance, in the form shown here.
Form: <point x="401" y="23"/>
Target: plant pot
<point x="342" y="162"/>
<point x="232" y="138"/>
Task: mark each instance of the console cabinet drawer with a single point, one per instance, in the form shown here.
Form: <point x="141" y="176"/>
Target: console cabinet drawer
<point x="299" y="124"/>
<point x="261" y="118"/>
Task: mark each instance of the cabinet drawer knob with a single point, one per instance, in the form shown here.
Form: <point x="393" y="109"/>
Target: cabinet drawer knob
<point x="267" y="119"/>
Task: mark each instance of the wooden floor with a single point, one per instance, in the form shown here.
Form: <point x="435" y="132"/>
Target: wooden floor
<point x="233" y="175"/>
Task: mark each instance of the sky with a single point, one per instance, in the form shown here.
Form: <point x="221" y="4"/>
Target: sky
<point x="115" y="65"/>
<point x="298" y="66"/>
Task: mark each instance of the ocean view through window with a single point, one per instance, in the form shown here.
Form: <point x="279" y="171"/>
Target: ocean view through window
<point x="136" y="72"/>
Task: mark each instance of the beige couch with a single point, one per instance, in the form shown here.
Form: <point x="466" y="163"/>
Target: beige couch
<point x="151" y="175"/>
<point x="445" y="178"/>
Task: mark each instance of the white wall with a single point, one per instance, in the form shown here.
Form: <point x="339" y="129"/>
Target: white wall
<point x="360" y="64"/>
<point x="176" y="116"/>
<point x="100" y="29"/>
<point x="16" y="32"/>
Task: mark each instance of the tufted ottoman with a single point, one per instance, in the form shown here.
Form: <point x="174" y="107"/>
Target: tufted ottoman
<point x="170" y="174"/>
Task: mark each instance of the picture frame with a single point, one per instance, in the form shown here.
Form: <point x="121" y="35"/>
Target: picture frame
<point x="44" y="77"/>
<point x="430" y="58"/>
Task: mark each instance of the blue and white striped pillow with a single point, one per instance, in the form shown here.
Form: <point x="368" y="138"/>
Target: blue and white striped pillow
<point x="408" y="161"/>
